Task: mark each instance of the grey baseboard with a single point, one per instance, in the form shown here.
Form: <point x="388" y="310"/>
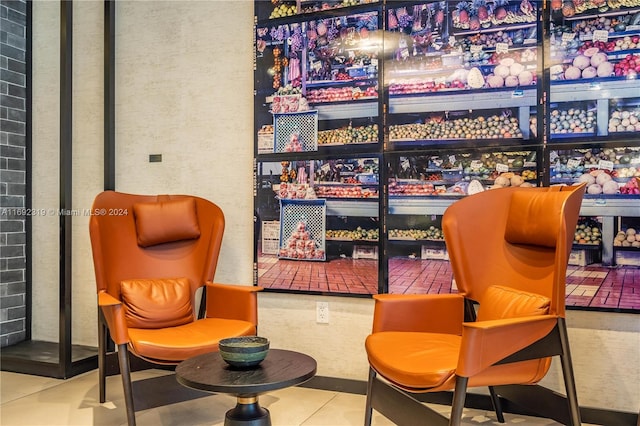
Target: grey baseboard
<point x="597" y="416"/>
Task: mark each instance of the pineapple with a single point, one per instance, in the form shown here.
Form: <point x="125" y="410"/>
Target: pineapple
<point x="568" y="9"/>
<point x="480" y="7"/>
<point x="463" y="12"/>
<point x="500" y="10"/>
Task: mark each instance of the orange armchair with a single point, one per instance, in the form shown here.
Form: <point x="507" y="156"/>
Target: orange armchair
<point x="509" y="250"/>
<point x="151" y="255"/>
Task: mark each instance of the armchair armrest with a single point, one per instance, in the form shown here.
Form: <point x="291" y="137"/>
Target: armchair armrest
<point x="486" y="342"/>
<point x="114" y="316"/>
<point x="238" y="302"/>
<point x="435" y="313"/>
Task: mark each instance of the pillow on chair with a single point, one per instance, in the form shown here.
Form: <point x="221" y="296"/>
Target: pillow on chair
<point x="166" y="221"/>
<point x="530" y="220"/>
<point x="157" y="303"/>
<point x="503" y="302"/>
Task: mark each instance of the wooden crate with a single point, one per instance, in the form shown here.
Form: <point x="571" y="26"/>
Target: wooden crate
<point x="431" y="253"/>
<point x="365" y="252"/>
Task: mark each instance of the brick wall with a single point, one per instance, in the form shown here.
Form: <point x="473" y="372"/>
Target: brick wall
<point x="13" y="171"/>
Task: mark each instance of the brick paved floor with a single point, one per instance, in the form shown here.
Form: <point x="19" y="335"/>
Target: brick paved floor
<point x="592" y="286"/>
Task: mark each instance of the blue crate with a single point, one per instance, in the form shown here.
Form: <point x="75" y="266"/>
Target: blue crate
<point x="302" y="230"/>
<point x="303" y="124"/>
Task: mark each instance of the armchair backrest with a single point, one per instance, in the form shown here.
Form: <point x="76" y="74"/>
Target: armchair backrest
<point x="154" y="236"/>
<point x="519" y="238"/>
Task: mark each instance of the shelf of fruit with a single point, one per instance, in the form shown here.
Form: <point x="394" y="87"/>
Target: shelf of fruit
<point x="348" y="135"/>
<point x="341" y="94"/>
<point x="580" y="9"/>
<point x="437" y="127"/>
<point x="628" y="239"/>
<point x="287" y="8"/>
<point x="609" y="171"/>
<point x="356" y="235"/>
<point x="432" y="233"/>
<point x="477" y="15"/>
<point x="416" y="188"/>
<point x="345" y="190"/>
<point x="588" y="233"/>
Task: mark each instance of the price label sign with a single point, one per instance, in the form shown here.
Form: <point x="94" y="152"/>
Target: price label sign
<point x="568" y="36"/>
<point x="476" y="165"/>
<point x="405" y="164"/>
<point x="502" y="168"/>
<point x="556" y="69"/>
<point x="601" y="35"/>
<point x="452" y="159"/>
<point x="475" y="48"/>
<point x="502" y="47"/>
<point x="605" y="165"/>
<point x="573" y="163"/>
<point x="440" y="188"/>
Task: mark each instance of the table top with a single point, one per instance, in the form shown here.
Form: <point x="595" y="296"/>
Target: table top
<point x="280" y="369"/>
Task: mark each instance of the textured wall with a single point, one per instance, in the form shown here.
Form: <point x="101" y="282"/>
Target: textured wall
<point x="13" y="172"/>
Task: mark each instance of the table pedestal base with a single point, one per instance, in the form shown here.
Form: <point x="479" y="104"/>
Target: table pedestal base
<point x="247" y="412"/>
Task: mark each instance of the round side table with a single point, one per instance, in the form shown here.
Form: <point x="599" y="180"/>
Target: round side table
<point x="280" y="369"/>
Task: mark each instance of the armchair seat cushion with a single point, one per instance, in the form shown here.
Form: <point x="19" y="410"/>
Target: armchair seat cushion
<point x="414" y="360"/>
<point x="175" y="344"/>
<point x="427" y="362"/>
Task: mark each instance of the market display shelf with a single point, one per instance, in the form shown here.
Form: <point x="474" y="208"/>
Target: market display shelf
<point x="350" y="240"/>
<point x="335" y="83"/>
<point x="568" y="59"/>
<point x="493" y="29"/>
<point x="358" y="208"/>
<point x="597" y="205"/>
<point x="338" y="111"/>
<point x="595" y="13"/>
<point x="593" y="90"/>
<point x="445" y="70"/>
<point x="480" y="99"/>
<point x="417" y="240"/>
<point x="595" y="246"/>
<point x="411" y="141"/>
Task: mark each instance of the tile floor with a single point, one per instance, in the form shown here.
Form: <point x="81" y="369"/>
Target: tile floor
<point x="38" y="401"/>
<point x="592" y="286"/>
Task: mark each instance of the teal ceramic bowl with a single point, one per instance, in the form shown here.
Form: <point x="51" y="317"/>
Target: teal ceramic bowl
<point x="244" y="352"/>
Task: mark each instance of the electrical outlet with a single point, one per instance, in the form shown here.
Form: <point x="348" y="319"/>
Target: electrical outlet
<point x="322" y="312"/>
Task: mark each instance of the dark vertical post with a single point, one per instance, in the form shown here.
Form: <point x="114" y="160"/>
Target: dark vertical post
<point x="66" y="173"/>
<point x="109" y="95"/>
<point x="28" y="202"/>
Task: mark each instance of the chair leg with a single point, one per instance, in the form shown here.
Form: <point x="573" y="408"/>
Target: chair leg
<point x="125" y="372"/>
<point x="497" y="406"/>
<point x="459" y="396"/>
<point x="368" y="408"/>
<point x="102" y="359"/>
<point x="567" y="373"/>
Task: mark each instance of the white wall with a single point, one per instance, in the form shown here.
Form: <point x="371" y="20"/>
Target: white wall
<point x="185" y="90"/>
